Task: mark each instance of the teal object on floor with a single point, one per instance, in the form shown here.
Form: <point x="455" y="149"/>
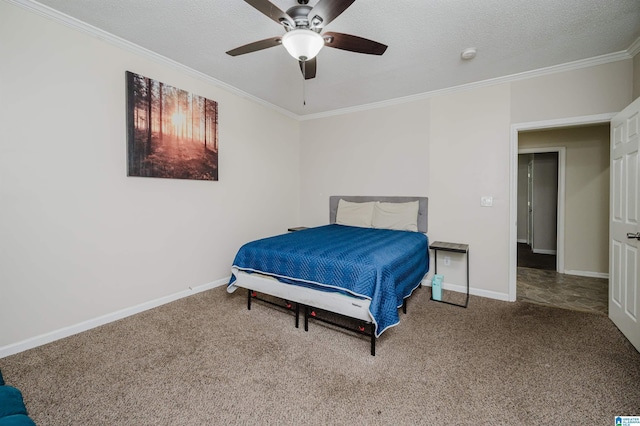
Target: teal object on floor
<point x="12" y="409"/>
<point x="436" y="287"/>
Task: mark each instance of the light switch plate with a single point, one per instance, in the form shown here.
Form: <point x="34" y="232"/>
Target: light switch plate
<point x="486" y="201"/>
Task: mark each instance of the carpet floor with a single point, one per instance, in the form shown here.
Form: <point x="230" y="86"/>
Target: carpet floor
<point x="206" y="359"/>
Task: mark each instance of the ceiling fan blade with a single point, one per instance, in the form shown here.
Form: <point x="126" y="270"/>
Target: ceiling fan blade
<point x="353" y="43"/>
<point x="255" y="46"/>
<point x="328" y="10"/>
<point x="308" y="68"/>
<point x="273" y="12"/>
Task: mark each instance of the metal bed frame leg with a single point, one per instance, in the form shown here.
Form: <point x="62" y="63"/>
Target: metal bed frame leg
<point x="251" y="294"/>
<point x="373" y="340"/>
<point x="307" y="314"/>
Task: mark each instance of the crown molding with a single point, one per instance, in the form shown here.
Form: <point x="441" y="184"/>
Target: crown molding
<point x="634" y="49"/>
<point x="76" y="24"/>
<point x="569" y="66"/>
<point x="92" y="31"/>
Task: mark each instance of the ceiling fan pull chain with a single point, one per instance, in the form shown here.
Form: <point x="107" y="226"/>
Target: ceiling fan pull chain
<point x="304" y="82"/>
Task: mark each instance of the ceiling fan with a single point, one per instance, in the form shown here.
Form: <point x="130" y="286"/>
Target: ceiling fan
<point x="303" y="25"/>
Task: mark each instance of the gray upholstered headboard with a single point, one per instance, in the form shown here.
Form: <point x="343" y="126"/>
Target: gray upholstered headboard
<point x="423" y="203"/>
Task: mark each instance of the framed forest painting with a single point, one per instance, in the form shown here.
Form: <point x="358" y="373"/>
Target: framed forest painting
<point x="171" y="133"/>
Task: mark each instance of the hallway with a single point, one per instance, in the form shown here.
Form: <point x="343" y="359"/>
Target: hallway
<point x="539" y="283"/>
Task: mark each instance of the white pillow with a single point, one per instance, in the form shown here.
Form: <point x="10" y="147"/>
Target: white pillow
<point x="398" y="216"/>
<point x="355" y="214"/>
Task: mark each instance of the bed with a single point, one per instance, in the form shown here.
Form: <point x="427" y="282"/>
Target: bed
<point x="363" y="265"/>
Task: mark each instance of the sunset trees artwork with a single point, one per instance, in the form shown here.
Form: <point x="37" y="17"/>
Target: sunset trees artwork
<point x="171" y="133"/>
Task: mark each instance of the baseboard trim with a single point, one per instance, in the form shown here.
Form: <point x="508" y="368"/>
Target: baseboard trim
<point x="589" y="274"/>
<point x="544" y="251"/>
<point x="52" y="336"/>
<point x="474" y="291"/>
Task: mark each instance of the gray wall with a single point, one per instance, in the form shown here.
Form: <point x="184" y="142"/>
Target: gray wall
<point x="545" y="202"/>
<point x="523" y="164"/>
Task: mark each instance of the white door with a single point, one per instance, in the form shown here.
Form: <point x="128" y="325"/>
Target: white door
<point x="624" y="252"/>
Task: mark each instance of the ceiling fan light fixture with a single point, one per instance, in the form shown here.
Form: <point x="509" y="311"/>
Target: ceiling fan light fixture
<point x="302" y="44"/>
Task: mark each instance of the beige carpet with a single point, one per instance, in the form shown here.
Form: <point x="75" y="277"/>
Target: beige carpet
<point x="206" y="360"/>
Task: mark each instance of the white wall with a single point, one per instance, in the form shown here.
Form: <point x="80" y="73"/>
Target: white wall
<point x="469" y="134"/>
<point x="78" y="238"/>
<point x="378" y="152"/>
<point x="454" y="148"/>
<point x="588" y="91"/>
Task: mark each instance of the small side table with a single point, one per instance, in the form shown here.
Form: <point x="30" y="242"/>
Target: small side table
<point x="297" y="228"/>
<point x="455" y="248"/>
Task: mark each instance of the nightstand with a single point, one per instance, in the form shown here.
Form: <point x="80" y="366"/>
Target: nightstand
<point x="297" y="228"/>
<point x="454" y="248"/>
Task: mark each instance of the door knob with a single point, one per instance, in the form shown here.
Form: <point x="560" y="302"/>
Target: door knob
<point x="632" y="235"/>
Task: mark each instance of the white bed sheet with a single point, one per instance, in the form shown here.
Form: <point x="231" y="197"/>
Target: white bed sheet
<point x="328" y="301"/>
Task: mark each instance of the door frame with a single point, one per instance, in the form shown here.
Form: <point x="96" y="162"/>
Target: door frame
<point x="529" y="199"/>
<point x="562" y="158"/>
<point x="513" y="179"/>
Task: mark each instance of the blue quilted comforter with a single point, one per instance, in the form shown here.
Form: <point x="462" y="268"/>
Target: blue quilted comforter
<point x="381" y="265"/>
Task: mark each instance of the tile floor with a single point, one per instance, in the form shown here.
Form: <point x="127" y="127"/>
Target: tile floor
<point x="538" y="282"/>
<point x="550" y="288"/>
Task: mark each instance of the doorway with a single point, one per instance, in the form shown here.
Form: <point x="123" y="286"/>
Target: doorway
<point x="540" y="233"/>
<point x="575" y="274"/>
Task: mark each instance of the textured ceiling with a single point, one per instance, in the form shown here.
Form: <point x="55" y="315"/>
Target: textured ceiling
<point x="425" y="39"/>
